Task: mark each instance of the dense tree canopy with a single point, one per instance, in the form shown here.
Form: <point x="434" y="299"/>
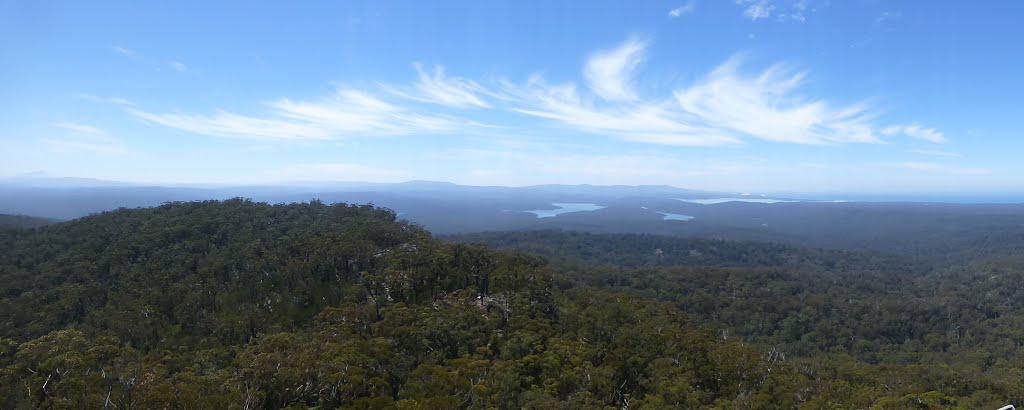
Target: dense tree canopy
<point x="23" y="221"/>
<point x="238" y="304"/>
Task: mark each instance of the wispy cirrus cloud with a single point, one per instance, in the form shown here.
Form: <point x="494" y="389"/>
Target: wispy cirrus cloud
<point x="768" y="106"/>
<point x="935" y="153"/>
<point x="158" y="64"/>
<point x="231" y="125"/>
<point x="721" y="108"/>
<point x="104" y="100"/>
<point x="84" y="138"/>
<point x="756" y="9"/>
<point x="653" y="123"/>
<point x="82" y="128"/>
<point x="609" y="73"/>
<point x="347" y="113"/>
<point x="887" y="16"/>
<point x="687" y="8"/>
<point x="123" y="51"/>
<point x="353" y="111"/>
<point x="617" y="111"/>
<point x="728" y="105"/>
<point x="437" y="88"/>
<point x="916" y="131"/>
<point x="779" y="10"/>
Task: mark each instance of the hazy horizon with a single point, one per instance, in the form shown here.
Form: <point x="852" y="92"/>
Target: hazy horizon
<point x="963" y="196"/>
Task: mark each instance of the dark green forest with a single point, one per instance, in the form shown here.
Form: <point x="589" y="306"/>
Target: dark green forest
<point x="240" y="304"/>
<point x="23" y="221"/>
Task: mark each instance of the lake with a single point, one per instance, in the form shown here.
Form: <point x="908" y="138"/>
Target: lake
<point x="712" y="201"/>
<point x="674" y="217"/>
<point x="563" y="208"/>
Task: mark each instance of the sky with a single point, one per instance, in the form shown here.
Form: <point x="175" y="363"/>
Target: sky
<point x="751" y="95"/>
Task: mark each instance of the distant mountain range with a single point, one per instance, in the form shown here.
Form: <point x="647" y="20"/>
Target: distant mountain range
<point x="68" y="197"/>
<point x="447" y="208"/>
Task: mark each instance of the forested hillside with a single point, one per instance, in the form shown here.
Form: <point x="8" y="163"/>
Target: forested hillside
<point x="873" y="323"/>
<point x="22" y="221"/>
<point x="238" y="304"/>
<point x="644" y="250"/>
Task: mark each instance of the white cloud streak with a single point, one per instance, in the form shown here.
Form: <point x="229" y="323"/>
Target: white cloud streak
<point x="721" y="108"/>
<point x="687" y="8"/>
<point x="349" y="113"/>
<point x="178" y="66"/>
<point x="645" y="122"/>
<point x="621" y="114"/>
<point x="84" y="138"/>
<point x="916" y="131"/>
<point x="756" y="9"/>
<point x="726" y="106"/>
<point x="226" y="124"/>
<point x="888" y="16"/>
<point x="767" y="106"/>
<point x="436" y="88"/>
<point x="609" y="72"/>
<point x="104" y="100"/>
<point x="123" y="51"/>
<point x="779" y="10"/>
<point x="935" y="153"/>
<point x="80" y="128"/>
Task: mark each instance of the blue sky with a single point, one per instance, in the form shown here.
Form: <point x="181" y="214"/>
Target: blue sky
<point x="752" y="95"/>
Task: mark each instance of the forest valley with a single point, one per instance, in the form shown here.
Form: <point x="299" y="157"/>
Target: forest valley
<point x="243" y="305"/>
